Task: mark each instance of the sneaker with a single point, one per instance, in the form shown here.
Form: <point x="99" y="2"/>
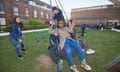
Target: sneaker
<point x="20" y="57"/>
<point x="60" y="65"/>
<point x="86" y="67"/>
<point x="24" y="50"/>
<point x="74" y="69"/>
<point x="90" y="51"/>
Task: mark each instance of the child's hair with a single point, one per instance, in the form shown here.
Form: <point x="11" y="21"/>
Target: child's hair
<point x="54" y="8"/>
<point x="19" y="24"/>
<point x="14" y="19"/>
<point x="71" y="20"/>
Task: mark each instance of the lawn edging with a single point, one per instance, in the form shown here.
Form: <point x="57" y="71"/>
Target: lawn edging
<point x="25" y="31"/>
<point x="117" y="30"/>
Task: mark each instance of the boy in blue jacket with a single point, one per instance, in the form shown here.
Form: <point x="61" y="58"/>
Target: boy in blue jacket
<point x="57" y="14"/>
<point x="83" y="27"/>
<point x="15" y="37"/>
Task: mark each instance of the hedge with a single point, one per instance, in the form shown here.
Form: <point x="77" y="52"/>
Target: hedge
<point x="117" y="27"/>
<point x="29" y="25"/>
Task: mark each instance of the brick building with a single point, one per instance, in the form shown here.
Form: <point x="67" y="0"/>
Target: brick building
<point x="26" y="9"/>
<point x="105" y="14"/>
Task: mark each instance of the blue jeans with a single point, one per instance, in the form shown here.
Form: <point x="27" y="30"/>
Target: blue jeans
<point x="67" y="48"/>
<point x="51" y="50"/>
<point x="54" y="40"/>
<point x="16" y="44"/>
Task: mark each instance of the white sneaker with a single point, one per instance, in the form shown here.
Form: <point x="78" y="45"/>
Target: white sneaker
<point x="86" y="67"/>
<point x="90" y="51"/>
<point x="74" y="69"/>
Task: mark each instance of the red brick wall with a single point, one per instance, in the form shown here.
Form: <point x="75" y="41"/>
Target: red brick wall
<point x="8" y="6"/>
<point x="109" y="12"/>
<point x="91" y="16"/>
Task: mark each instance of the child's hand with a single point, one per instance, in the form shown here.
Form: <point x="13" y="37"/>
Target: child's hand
<point x="20" y="41"/>
<point x="56" y="34"/>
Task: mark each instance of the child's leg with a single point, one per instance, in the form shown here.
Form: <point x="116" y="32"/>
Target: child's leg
<point x="22" y="46"/>
<point x="52" y="54"/>
<point x="37" y="36"/>
<point x="15" y="43"/>
<point x="85" y="45"/>
<point x="78" y="48"/>
<point x="68" y="52"/>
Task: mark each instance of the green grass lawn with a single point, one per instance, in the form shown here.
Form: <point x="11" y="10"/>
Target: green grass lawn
<point x="106" y="44"/>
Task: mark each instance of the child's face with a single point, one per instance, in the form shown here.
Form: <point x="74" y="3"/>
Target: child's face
<point x="55" y="11"/>
<point x="18" y="20"/>
<point x="61" y="24"/>
<point x="73" y="24"/>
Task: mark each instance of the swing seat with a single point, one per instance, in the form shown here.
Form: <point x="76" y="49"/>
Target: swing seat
<point x="54" y="40"/>
<point x="62" y="54"/>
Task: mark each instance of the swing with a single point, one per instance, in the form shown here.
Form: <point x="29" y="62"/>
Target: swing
<point x="54" y="40"/>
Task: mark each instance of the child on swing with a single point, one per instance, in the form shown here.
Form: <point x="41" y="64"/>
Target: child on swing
<point x="81" y="40"/>
<point x="66" y="42"/>
<point x="58" y="15"/>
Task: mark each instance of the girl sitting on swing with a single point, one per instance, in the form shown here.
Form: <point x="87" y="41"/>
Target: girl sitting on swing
<point x="66" y="42"/>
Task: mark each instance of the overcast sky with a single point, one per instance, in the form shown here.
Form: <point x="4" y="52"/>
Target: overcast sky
<point x="70" y="4"/>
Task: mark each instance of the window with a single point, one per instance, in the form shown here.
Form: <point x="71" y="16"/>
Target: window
<point x="2" y="8"/>
<point x="42" y="14"/>
<point x="35" y="13"/>
<point x="27" y="12"/>
<point x="2" y="21"/>
<point x="47" y="16"/>
<point x="15" y="10"/>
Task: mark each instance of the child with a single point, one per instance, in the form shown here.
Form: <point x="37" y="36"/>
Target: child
<point x="66" y="42"/>
<point x="58" y="15"/>
<point x="83" y="27"/>
<point x="15" y="36"/>
<point x="73" y="35"/>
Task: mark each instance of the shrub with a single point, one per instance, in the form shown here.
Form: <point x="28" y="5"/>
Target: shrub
<point x="6" y="29"/>
<point x="35" y="22"/>
<point x="117" y="27"/>
<point x="29" y="25"/>
<point x="25" y="21"/>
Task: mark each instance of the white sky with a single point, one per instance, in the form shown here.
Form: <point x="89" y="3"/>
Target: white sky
<point x="70" y="4"/>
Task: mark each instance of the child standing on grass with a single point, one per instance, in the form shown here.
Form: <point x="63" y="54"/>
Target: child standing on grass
<point x="83" y="27"/>
<point x="15" y="36"/>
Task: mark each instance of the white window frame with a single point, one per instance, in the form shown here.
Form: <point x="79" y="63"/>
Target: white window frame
<point x="35" y="13"/>
<point x="47" y="16"/>
<point x="42" y="14"/>
<point x="2" y="21"/>
<point x="15" y="10"/>
<point x="2" y="8"/>
<point x="27" y="12"/>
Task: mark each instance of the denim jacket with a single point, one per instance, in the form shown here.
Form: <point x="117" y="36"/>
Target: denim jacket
<point x="15" y="31"/>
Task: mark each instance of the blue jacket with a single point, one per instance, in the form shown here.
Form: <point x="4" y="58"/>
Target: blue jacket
<point x="83" y="27"/>
<point x="59" y="16"/>
<point x="15" y="31"/>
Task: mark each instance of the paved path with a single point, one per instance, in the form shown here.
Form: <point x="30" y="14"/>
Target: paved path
<point x="117" y="30"/>
<point x="26" y="31"/>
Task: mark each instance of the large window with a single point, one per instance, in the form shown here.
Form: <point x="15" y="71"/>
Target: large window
<point x="2" y="8"/>
<point x="15" y="10"/>
<point x="35" y="13"/>
<point x="42" y="14"/>
<point x="2" y="21"/>
<point x="27" y="12"/>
